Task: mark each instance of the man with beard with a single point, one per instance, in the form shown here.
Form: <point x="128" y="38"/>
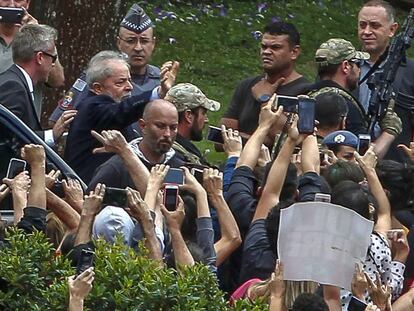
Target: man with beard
<point x="159" y="125"/>
<point x="376" y="27"/>
<point x="279" y="50"/>
<point x="338" y="65"/>
<point x="192" y="106"/>
<point x="108" y="106"/>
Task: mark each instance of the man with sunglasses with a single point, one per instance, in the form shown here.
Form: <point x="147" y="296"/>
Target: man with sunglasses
<point x="338" y="64"/>
<point x="34" y="56"/>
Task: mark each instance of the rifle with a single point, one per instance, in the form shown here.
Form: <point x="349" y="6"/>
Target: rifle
<point x="380" y="83"/>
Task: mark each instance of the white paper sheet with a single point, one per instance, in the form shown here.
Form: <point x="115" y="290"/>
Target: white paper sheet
<point x="321" y="242"/>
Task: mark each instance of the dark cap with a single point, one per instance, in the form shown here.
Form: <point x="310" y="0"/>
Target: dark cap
<point x="136" y="20"/>
<point x="343" y="138"/>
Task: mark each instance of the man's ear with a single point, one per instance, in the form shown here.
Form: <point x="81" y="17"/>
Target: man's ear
<point x="189" y="116"/>
<point x="345" y="67"/>
<point x="141" y="124"/>
<point x="393" y="29"/>
<point x="295" y="52"/>
<point x="96" y="88"/>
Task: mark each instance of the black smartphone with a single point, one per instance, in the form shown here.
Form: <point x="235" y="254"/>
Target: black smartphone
<point x="174" y="176"/>
<point x="115" y="197"/>
<point x="364" y="140"/>
<point x="198" y="174"/>
<point x="356" y="305"/>
<point x="306" y="112"/>
<point x="85" y="261"/>
<point x="214" y="135"/>
<point x="11" y="15"/>
<point x="170" y="197"/>
<point x="58" y="189"/>
<point x="16" y="166"/>
<point x="289" y="103"/>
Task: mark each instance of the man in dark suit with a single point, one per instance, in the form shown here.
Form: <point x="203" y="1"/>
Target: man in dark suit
<point x="108" y="106"/>
<point x="34" y="55"/>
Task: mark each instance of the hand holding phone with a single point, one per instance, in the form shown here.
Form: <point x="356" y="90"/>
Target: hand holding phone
<point x="395" y="234"/>
<point x="16" y="166"/>
<point x="11" y="15"/>
<point x="85" y="261"/>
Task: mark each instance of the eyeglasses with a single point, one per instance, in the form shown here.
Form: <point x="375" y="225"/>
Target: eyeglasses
<point x="53" y="57"/>
<point x="133" y="41"/>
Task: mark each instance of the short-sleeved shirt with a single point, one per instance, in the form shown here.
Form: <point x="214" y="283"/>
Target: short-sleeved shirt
<point x="245" y="108"/>
<point x="258" y="258"/>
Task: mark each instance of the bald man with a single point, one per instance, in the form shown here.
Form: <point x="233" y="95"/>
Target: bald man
<point x="158" y="124"/>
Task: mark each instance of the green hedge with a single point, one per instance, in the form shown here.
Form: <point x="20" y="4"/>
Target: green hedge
<point x="123" y="280"/>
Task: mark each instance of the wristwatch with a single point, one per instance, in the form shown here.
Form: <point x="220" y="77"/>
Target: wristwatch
<point x="264" y="98"/>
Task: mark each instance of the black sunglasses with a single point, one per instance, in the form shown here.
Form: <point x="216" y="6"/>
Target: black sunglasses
<point x="53" y="57"/>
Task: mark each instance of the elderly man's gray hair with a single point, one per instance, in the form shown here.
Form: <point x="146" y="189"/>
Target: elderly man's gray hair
<point x="99" y="68"/>
<point x="31" y="39"/>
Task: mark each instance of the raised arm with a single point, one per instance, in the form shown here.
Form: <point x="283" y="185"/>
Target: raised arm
<point x="277" y="174"/>
<point x="91" y="207"/>
<point x="63" y="210"/>
<point x="367" y="164"/>
<point x="19" y="187"/>
<point x="251" y="150"/>
<point x="140" y="211"/>
<point x="230" y="235"/>
<point x="174" y="221"/>
<point x="114" y="142"/>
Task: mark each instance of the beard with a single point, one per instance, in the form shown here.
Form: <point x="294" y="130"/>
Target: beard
<point x="196" y="134"/>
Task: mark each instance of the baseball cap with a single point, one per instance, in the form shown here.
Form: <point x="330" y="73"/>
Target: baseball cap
<point x="342" y="138"/>
<point x="334" y="51"/>
<point x="136" y="19"/>
<point x="187" y="96"/>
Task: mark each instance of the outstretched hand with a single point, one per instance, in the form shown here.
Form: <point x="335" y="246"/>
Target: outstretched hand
<point x="93" y="201"/>
<point x="369" y="160"/>
<point x="409" y="151"/>
<point x="81" y="285"/>
<point x="113" y="141"/>
<point x="168" y="74"/>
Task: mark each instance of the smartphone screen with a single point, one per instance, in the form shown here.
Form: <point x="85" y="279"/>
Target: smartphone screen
<point x="289" y="103"/>
<point x="16" y="166"/>
<point x="174" y="176"/>
<point x="11" y="15"/>
<point x="170" y="197"/>
<point x="198" y="174"/>
<point x="214" y="135"/>
<point x="364" y="140"/>
<point x="85" y="261"/>
<point x="356" y="305"/>
<point x="115" y="197"/>
<point x="306" y="111"/>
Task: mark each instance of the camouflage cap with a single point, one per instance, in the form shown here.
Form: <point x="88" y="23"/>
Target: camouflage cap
<point x="187" y="96"/>
<point x="335" y="51"/>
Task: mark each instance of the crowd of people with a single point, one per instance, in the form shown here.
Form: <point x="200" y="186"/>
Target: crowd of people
<point x="130" y="125"/>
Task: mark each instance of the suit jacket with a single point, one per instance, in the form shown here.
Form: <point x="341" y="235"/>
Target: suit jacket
<point x="15" y="95"/>
<point x="99" y="112"/>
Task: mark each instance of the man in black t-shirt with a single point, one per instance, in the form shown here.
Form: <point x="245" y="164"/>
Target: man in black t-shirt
<point x="279" y="51"/>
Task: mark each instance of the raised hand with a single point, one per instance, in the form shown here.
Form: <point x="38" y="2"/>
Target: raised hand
<point x="277" y="284"/>
<point x="175" y="218"/>
<point x="137" y="207"/>
<point x="409" y="151"/>
<point x="113" y="141"/>
<point x="191" y="184"/>
<point x="380" y="294"/>
<point x="359" y="282"/>
<point x="168" y="74"/>
<point x="51" y="178"/>
<point x="232" y="141"/>
<point x="369" y="160"/>
<point x="213" y="181"/>
<point x="157" y="176"/>
<point x="93" y="201"/>
<point x="63" y="123"/>
<point x="73" y="192"/>
<point x="20" y="183"/>
<point x="33" y="154"/>
<point x="81" y="285"/>
<point x="268" y="116"/>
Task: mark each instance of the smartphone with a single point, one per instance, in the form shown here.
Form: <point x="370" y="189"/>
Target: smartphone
<point x="214" y="135"/>
<point x="306" y="112"/>
<point x="395" y="232"/>
<point x="323" y="157"/>
<point x="322" y="197"/>
<point x="174" y="176"/>
<point x="170" y="197"/>
<point x="289" y="103"/>
<point x="198" y="174"/>
<point x="85" y="261"/>
<point x="364" y="140"/>
<point x="115" y="197"/>
<point x="11" y="15"/>
<point x="356" y="305"/>
<point x="16" y="166"/>
<point x="58" y="189"/>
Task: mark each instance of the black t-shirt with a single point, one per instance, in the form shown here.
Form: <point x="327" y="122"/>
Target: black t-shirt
<point x="245" y="108"/>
